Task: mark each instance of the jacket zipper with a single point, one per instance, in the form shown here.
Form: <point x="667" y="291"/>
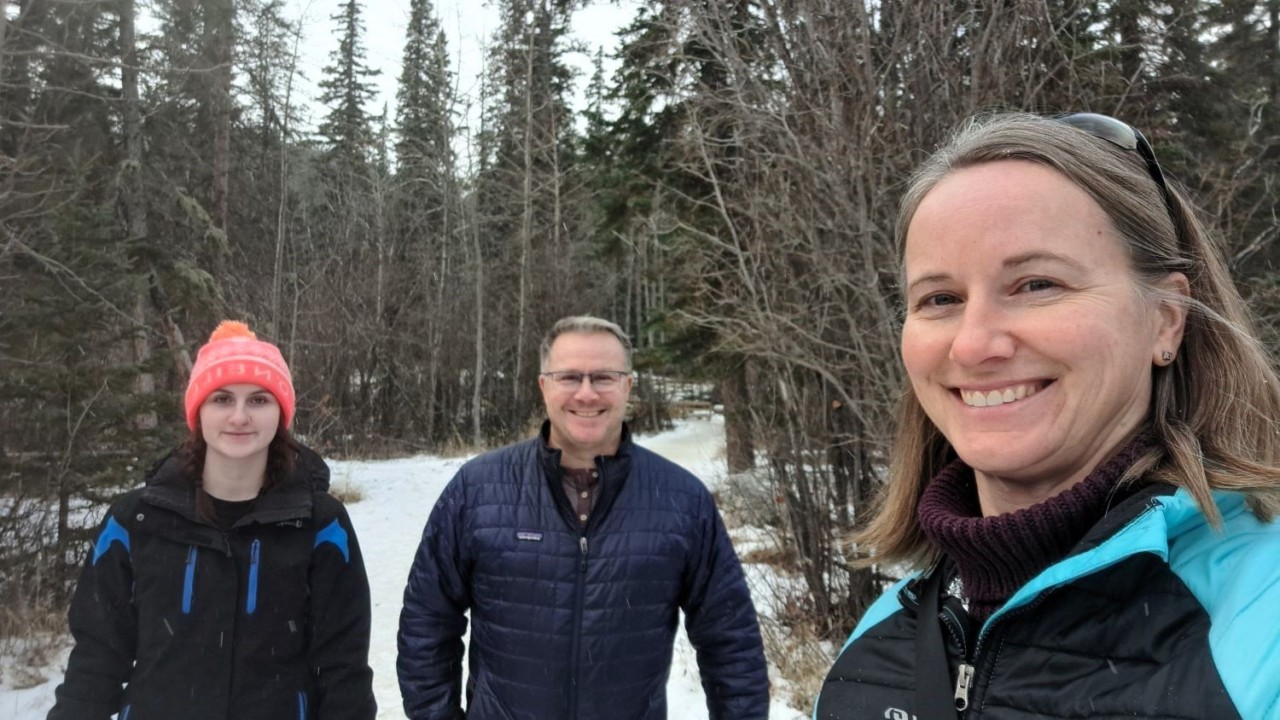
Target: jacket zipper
<point x="579" y="601"/>
<point x="964" y="676"/>
<point x="189" y="580"/>
<point x="255" y="552"/>
<point x="968" y="669"/>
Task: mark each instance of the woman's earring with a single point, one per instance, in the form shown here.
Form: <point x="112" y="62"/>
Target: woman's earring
<point x="1167" y="357"/>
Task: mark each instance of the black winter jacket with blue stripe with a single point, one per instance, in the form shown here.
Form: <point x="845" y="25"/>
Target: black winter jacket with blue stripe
<point x="571" y="623"/>
<point x="1155" y="614"/>
<point x="174" y="618"/>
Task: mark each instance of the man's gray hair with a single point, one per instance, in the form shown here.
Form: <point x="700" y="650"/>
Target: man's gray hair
<point x="586" y="325"/>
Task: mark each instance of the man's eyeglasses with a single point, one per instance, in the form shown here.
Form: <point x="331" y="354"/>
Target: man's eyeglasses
<point x="602" y="381"/>
<point x="1124" y="136"/>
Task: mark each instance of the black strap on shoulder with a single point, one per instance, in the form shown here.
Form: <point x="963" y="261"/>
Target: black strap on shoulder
<point x="934" y="696"/>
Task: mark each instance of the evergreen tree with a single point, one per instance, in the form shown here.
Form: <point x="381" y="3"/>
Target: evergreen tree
<point x="426" y="224"/>
<point x="634" y="158"/>
<point x="187" y="119"/>
<point x="530" y="198"/>
<point x="1232" y="116"/>
<point x="346" y="91"/>
<point x="347" y="253"/>
<point x="70" y="403"/>
<point x="424" y="98"/>
<point x="266" y="143"/>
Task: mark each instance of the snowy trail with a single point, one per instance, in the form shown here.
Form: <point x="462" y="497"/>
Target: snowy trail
<point x="397" y="497"/>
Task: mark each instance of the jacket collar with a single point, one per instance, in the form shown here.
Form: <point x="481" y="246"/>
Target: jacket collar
<point x="168" y="487"/>
<point x="549" y="457"/>
<point x="1145" y="522"/>
<point x="614" y="471"/>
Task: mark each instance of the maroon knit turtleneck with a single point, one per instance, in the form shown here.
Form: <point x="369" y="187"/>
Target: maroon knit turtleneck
<point x="994" y="556"/>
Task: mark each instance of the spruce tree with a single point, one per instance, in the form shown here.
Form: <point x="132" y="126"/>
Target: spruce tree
<point x="529" y="196"/>
<point x="426" y="223"/>
<point x="1234" y="113"/>
<point x="347" y="90"/>
<point x="424" y="97"/>
<point x="347" y="255"/>
<point x="70" y="402"/>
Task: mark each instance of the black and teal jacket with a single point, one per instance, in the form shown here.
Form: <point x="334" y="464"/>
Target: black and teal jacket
<point x="1153" y="615"/>
<point x="174" y="618"/>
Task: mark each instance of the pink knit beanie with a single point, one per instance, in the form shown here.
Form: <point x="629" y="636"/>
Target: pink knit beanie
<point x="235" y="355"/>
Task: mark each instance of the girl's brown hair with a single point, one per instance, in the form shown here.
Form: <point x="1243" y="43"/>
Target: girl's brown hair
<point x="282" y="455"/>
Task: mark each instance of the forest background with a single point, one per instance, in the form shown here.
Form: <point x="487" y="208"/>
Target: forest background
<point x="727" y="194"/>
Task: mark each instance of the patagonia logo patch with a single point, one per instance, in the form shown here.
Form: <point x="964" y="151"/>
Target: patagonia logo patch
<point x="528" y="536"/>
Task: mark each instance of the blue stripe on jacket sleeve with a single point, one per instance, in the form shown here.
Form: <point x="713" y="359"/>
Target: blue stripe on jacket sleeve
<point x="886" y="605"/>
<point x="336" y="534"/>
<point x="112" y="532"/>
<point x="1235" y="574"/>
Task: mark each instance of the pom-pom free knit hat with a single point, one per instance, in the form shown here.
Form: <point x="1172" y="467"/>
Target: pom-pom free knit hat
<point x="235" y="355"/>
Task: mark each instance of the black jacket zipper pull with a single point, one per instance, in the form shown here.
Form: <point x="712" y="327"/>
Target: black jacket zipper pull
<point x="582" y="543"/>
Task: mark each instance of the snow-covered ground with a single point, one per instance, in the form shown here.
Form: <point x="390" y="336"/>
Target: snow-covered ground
<point x="397" y="497"/>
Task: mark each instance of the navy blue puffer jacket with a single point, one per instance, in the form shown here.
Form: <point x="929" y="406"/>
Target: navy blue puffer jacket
<point x="572" y="623"/>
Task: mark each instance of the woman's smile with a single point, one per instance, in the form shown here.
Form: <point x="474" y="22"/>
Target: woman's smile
<point x="1000" y="396"/>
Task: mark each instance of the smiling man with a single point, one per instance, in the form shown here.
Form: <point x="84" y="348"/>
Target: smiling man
<point x="574" y="553"/>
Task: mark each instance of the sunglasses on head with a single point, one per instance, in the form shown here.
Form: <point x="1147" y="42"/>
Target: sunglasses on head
<point x="1124" y="136"/>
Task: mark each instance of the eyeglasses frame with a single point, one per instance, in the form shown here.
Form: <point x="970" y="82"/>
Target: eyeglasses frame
<point x="586" y="376"/>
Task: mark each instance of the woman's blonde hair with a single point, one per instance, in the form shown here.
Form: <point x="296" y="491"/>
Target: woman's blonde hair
<point x="1214" y="410"/>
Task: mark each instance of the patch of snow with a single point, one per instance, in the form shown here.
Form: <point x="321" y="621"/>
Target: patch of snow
<point x="26" y="692"/>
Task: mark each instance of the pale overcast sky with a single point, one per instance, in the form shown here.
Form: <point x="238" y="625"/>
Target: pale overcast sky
<point x="469" y="24"/>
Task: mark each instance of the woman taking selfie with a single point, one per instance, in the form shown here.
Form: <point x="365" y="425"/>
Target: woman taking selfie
<point x="1084" y="477"/>
<point x="231" y="586"/>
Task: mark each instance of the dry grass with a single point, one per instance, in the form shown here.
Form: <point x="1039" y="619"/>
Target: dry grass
<point x="18" y="623"/>
<point x="792" y="639"/>
<point x="34" y="656"/>
<point x="800" y="658"/>
<point x="771" y="555"/>
<point x="459" y="448"/>
<point x="347" y="492"/>
<point x="33" y="637"/>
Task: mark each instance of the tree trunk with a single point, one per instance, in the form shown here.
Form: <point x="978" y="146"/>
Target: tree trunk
<point x="437" y="321"/>
<point x="1273" y="45"/>
<point x="282" y="209"/>
<point x="221" y="36"/>
<point x="477" y="396"/>
<point x="526" y="234"/>
<point x="4" y="29"/>
<point x="133" y="205"/>
<point x="739" y="447"/>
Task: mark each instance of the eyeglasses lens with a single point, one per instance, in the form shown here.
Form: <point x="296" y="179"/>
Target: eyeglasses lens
<point x="600" y="381"/>
<point x="1103" y="127"/>
<point x="1126" y="137"/>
